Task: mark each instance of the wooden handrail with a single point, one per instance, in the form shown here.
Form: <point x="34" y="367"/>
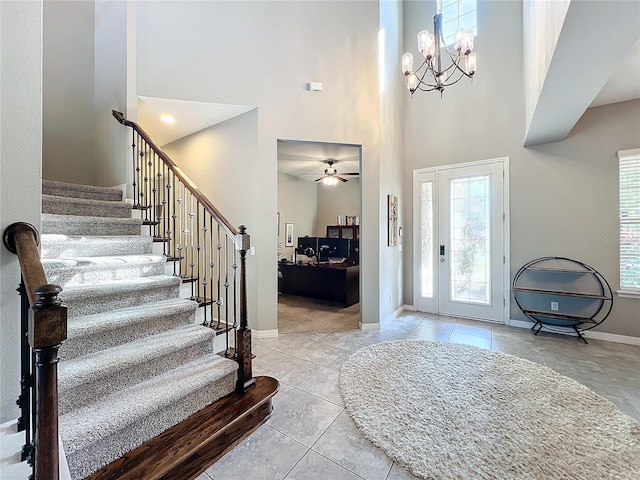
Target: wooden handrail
<point x="47" y="329"/>
<point x="22" y="239"/>
<point x="204" y="201"/>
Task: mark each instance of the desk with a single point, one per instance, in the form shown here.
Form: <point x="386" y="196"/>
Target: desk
<point x="335" y="282"/>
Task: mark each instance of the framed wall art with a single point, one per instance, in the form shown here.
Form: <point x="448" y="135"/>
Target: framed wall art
<point x="288" y="234"/>
<point x="392" y="220"/>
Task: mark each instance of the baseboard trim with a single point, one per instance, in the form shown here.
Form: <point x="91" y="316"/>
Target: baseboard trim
<point x="11" y="442"/>
<point x="608" y="337"/>
<point x="393" y="315"/>
<point x="410" y="308"/>
<point x="367" y="327"/>
<point x="265" y="333"/>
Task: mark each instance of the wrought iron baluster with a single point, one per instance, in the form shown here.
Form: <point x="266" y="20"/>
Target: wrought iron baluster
<point x="219" y="292"/>
<point x="191" y="246"/>
<point x="154" y="184"/>
<point x="26" y="376"/>
<point x="226" y="292"/>
<point x="180" y="230"/>
<point x="198" y="248"/>
<point x="205" y="280"/>
<point x="135" y="166"/>
<point x="235" y="299"/>
<point x="147" y="179"/>
<point x="212" y="266"/>
<point x="162" y="176"/>
<point x="174" y="234"/>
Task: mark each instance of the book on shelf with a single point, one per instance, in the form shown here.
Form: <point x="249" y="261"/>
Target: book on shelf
<point x="348" y="220"/>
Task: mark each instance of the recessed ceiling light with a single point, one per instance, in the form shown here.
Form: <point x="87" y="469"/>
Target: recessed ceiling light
<point x="167" y="118"/>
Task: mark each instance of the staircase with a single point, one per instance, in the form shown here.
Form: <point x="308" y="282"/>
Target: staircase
<point x="135" y="362"/>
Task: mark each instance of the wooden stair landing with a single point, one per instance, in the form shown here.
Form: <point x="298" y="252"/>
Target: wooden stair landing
<point x="187" y="449"/>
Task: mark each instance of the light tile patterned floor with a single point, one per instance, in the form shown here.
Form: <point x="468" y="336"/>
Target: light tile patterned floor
<point x="310" y="436"/>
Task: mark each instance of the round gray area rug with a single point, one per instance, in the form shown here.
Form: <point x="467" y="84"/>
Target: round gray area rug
<point x="450" y="411"/>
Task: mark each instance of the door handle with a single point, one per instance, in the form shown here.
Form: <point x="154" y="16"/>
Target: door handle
<point x="441" y="249"/>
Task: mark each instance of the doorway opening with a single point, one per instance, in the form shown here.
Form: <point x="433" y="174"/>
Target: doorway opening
<point x="319" y="205"/>
<point x="461" y="240"/>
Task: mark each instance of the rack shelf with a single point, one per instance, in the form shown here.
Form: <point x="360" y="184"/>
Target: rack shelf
<point x="560" y="292"/>
<point x="542" y="279"/>
<point x="562" y="270"/>
<point x="575" y="318"/>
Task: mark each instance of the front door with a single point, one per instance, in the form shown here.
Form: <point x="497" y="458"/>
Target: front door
<point x="459" y="235"/>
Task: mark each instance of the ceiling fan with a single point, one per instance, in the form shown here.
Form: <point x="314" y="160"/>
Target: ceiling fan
<point x="331" y="173"/>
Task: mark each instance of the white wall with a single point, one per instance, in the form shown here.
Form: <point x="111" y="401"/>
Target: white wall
<point x="69" y="119"/>
<point x="391" y="156"/>
<point x="20" y="169"/>
<point x="85" y="78"/>
<point x="220" y="160"/>
<point x="110" y="93"/>
<point x="340" y="199"/>
<point x="564" y="194"/>
<point x="262" y="54"/>
<point x="297" y="204"/>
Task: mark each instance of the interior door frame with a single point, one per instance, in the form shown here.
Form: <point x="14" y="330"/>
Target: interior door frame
<point x="506" y="273"/>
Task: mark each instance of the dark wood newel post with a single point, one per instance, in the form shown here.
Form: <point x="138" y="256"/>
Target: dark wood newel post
<point x="243" y="334"/>
<point x="47" y="330"/>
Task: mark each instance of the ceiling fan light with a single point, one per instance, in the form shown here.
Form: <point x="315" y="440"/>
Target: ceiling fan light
<point x="330" y="181"/>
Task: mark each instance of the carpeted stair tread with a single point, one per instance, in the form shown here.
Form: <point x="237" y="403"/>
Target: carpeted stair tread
<point x="135" y="362"/>
<point x="96" y="375"/>
<point x="90" y="333"/>
<point x="62" y="189"/>
<point x="85" y="207"/>
<point x="96" y="298"/>
<point x="98" y="433"/>
<point x="79" y="270"/>
<point x="80" y="225"/>
<point x="63" y="246"/>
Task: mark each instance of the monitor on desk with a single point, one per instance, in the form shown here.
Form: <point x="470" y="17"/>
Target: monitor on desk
<point x="307" y="245"/>
<point x="332" y="248"/>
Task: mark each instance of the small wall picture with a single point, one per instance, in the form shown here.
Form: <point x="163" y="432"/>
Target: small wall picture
<point x="288" y="234"/>
<point x="392" y="220"/>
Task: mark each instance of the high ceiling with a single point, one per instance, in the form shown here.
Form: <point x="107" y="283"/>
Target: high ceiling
<point x="307" y="159"/>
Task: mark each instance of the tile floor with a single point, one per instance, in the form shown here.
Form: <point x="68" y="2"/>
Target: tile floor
<point x="310" y="435"/>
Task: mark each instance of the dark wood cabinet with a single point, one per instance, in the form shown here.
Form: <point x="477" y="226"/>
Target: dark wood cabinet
<point x="337" y="283"/>
<point x="351" y="232"/>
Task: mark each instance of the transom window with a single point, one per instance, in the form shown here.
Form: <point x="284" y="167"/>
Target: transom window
<point x="457" y="14"/>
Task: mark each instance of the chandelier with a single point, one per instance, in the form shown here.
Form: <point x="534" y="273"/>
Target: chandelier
<point x="431" y="75"/>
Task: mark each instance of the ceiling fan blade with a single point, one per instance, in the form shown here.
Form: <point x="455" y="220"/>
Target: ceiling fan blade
<point x="318" y="179"/>
<point x="350" y="173"/>
<point x="340" y="178"/>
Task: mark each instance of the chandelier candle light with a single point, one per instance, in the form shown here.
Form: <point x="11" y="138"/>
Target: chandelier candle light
<point x="430" y="46"/>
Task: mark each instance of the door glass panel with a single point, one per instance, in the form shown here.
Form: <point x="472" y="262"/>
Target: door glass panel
<point x="470" y="223"/>
<point x="426" y="234"/>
